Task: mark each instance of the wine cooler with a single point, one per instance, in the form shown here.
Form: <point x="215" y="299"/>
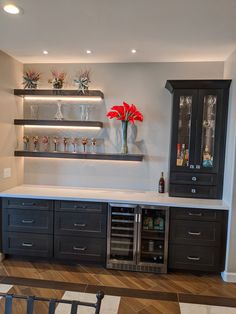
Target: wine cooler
<point x="137" y="238"/>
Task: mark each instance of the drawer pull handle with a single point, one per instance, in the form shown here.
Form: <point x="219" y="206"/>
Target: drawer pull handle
<point x="194" y="179"/>
<point x="193" y="258"/>
<point x="79" y="248"/>
<point x="195" y="214"/>
<point x="198" y="167"/>
<point x="27" y="244"/>
<point x="28" y="204"/>
<point x="193" y="191"/>
<point x="27" y="221"/>
<point x="80" y="206"/>
<point x="79" y="225"/>
<point x="194" y="233"/>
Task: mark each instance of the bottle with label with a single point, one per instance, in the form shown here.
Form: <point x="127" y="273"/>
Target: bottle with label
<point x="183" y="155"/>
<point x="178" y="159"/>
<point x="161" y="185"/>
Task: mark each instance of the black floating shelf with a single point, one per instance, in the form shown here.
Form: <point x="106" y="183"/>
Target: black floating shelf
<point x="58" y="123"/>
<point x="99" y="156"/>
<point x="58" y="92"/>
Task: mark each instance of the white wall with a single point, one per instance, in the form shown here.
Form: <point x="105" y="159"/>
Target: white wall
<point x="230" y="170"/>
<point x="142" y="84"/>
<point x="11" y="108"/>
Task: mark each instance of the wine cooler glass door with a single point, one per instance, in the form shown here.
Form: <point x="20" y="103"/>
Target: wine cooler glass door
<point x="153" y="239"/>
<point x="122" y="233"/>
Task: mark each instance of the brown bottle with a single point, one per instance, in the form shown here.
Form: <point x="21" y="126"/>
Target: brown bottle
<point x="161" y="186"/>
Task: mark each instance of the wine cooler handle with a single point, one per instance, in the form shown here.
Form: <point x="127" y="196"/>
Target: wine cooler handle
<point x="139" y="218"/>
<point x="136" y="218"/>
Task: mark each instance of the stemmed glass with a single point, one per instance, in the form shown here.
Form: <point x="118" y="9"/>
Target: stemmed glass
<point x="36" y="142"/>
<point x="55" y="142"/>
<point x="65" y="141"/>
<point x="74" y="141"/>
<point x="93" y="143"/>
<point x="84" y="143"/>
<point x="26" y="142"/>
<point x="45" y="141"/>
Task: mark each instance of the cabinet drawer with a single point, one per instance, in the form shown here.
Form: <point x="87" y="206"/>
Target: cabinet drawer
<point x="80" y="248"/>
<point x="195" y="232"/>
<point x="27" y="220"/>
<point x="196" y="191"/>
<point x="90" y="224"/>
<point x="24" y="203"/>
<point x="81" y="206"/>
<point x="27" y="244"/>
<point x="193" y="178"/>
<point x="194" y="258"/>
<point x="196" y="214"/>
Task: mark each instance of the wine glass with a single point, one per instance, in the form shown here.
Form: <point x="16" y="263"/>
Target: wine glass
<point x="84" y="142"/>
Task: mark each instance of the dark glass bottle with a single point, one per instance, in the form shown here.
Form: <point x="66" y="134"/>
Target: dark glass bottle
<point x="161" y="186"/>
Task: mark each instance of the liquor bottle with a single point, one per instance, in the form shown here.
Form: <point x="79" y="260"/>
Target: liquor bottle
<point x="186" y="157"/>
<point x="183" y="155"/>
<point x="178" y="158"/>
<point x="161" y="185"/>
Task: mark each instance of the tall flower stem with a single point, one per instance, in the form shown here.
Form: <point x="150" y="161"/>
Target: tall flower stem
<point x="124" y="147"/>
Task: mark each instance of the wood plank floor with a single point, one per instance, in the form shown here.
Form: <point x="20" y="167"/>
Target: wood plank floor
<point x="141" y="293"/>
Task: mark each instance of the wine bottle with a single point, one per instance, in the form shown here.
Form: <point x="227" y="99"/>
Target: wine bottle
<point x="161" y="186"/>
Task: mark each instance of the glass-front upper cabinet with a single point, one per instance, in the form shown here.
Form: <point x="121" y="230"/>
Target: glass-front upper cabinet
<point x="209" y="123"/>
<point x="198" y="136"/>
<point x="184" y="125"/>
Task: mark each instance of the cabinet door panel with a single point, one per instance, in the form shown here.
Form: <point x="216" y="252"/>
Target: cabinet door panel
<point x="183" y="129"/>
<point x="208" y="130"/>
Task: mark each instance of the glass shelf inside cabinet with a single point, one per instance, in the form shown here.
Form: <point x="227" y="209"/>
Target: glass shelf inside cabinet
<point x="122" y="233"/>
<point x="208" y="131"/>
<point x="152" y="236"/>
<point x="184" y="131"/>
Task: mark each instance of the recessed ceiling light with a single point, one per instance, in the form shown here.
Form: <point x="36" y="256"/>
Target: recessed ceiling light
<point x="88" y="51"/>
<point x="133" y="50"/>
<point x="12" y="9"/>
<point x="45" y="52"/>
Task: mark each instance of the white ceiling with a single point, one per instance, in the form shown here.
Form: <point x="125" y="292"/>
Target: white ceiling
<point x="160" y="30"/>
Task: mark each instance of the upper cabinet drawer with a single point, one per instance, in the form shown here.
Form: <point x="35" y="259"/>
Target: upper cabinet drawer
<point x="81" y="206"/>
<point x="192" y="190"/>
<point x="28" y="203"/>
<point x="196" y="214"/>
<point x="193" y="178"/>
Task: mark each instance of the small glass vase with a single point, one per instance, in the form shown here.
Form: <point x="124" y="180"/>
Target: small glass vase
<point x="124" y="147"/>
<point x="59" y="115"/>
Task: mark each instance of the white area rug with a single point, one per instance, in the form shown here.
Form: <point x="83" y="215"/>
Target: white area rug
<point x="187" y="308"/>
<point x="110" y="304"/>
<point x="5" y="288"/>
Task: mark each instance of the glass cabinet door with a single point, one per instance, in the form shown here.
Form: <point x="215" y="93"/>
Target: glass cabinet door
<point x="184" y="132"/>
<point x="123" y="226"/>
<point x="209" y="119"/>
<point x="152" y="242"/>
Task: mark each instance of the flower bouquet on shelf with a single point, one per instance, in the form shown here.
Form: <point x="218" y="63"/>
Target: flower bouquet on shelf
<point x="83" y="81"/>
<point x="58" y="79"/>
<point x="30" y="79"/>
<point x="126" y="113"/>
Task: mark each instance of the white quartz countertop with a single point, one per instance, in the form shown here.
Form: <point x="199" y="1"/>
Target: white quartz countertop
<point x="109" y="196"/>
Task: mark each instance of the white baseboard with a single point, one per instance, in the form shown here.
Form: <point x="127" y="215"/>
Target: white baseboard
<point x="228" y="277"/>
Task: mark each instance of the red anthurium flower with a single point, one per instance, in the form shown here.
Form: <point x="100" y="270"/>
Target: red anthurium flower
<point x="125" y="113"/>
